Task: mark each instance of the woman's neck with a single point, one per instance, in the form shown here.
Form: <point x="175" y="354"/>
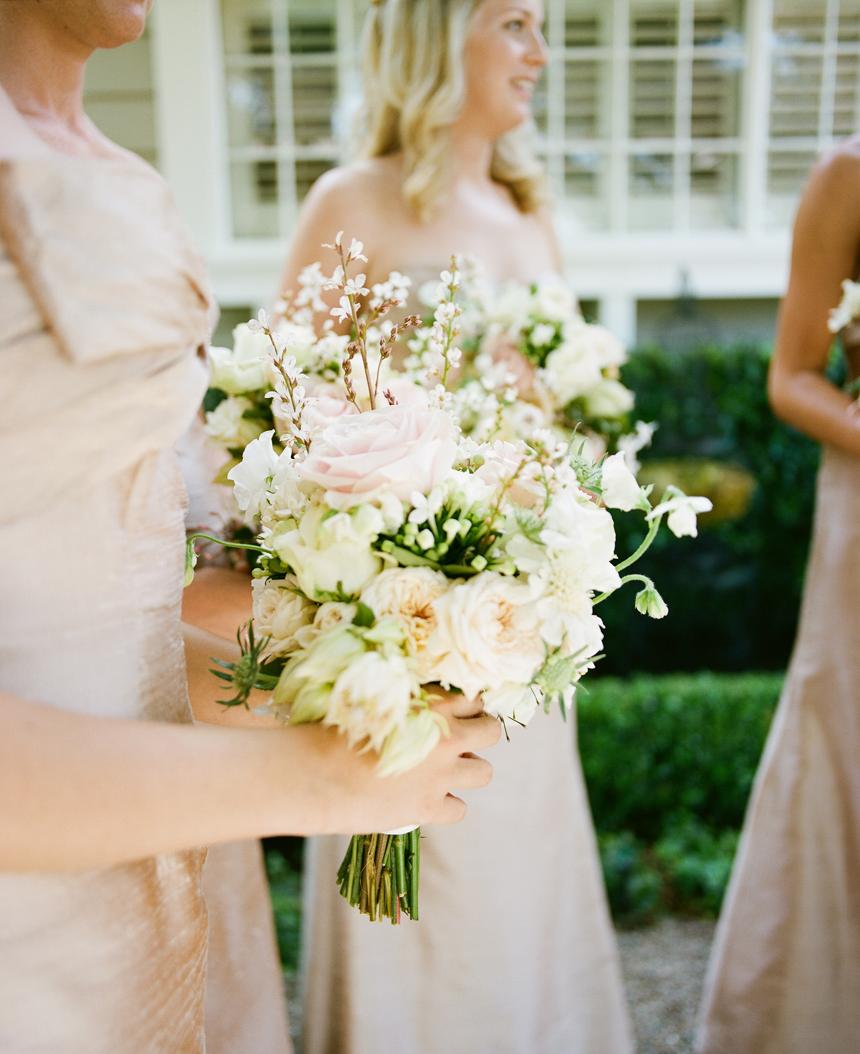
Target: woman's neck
<point x="42" y="67"/>
<point x="471" y="156"/>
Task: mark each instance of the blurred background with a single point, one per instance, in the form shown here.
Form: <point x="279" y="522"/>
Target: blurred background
<point x="677" y="135"/>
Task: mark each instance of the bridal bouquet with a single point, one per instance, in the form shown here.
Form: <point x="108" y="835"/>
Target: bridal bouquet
<point x="397" y="555"/>
<point x="533" y="361"/>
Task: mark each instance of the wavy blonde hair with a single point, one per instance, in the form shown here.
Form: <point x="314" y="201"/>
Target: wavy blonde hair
<point x="414" y="89"/>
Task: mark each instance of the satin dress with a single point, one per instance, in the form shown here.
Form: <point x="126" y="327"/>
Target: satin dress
<point x="784" y="976"/>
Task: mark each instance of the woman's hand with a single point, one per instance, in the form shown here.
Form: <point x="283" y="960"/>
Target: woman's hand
<point x="354" y="799"/>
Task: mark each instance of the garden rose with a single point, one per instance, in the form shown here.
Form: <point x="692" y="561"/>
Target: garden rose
<point x="487" y="633"/>
<point x="280" y="612"/>
<point x="394" y="450"/>
<point x="227" y="425"/>
<point x="408" y="594"/>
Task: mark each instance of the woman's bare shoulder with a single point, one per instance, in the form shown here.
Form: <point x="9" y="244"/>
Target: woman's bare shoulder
<point x="363" y="181"/>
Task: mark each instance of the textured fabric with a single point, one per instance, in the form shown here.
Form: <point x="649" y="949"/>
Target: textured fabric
<point x="98" y="379"/>
<point x="246" y="1006"/>
<point x="785" y="972"/>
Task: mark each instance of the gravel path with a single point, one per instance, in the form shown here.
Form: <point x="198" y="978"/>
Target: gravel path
<point x="664" y="969"/>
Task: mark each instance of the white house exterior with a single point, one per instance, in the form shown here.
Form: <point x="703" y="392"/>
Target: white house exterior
<point x="677" y="135"/>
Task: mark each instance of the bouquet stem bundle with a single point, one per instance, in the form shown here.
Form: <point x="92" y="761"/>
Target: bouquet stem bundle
<point x="380" y="874"/>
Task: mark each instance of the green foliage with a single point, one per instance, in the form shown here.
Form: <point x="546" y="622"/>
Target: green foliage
<point x="283" y="865"/>
<point x="669" y="764"/>
<point x="733" y="592"/>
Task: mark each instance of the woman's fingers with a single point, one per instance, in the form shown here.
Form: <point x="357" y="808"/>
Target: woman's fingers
<point x="477" y="733"/>
<point x="451" y="810"/>
<point x="471" y="772"/>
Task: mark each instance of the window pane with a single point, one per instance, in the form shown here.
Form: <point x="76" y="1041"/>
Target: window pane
<point x="652" y="98"/>
<point x="787" y="171"/>
<point x="799" y="21"/>
<point x="308" y="172"/>
<point x="714" y="199"/>
<point x="587" y="23"/>
<point x="247" y="27"/>
<point x="585" y="190"/>
<point x="795" y="94"/>
<point x="255" y="187"/>
<point x="586" y="98"/>
<point x="251" y="107"/>
<point x="715" y="99"/>
<point x="717" y="22"/>
<point x="652" y="182"/>
<point x="313" y="26"/>
<point x="653" y="23"/>
<point x="314" y="100"/>
<point x="846" y="102"/>
<point x="849" y="21"/>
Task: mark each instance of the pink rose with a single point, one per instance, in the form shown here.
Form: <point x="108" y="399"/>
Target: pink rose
<point x="395" y="450"/>
<point x="326" y="402"/>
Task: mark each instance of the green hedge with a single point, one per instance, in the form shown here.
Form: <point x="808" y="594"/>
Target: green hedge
<point x="734" y="592"/>
<point x="669" y="763"/>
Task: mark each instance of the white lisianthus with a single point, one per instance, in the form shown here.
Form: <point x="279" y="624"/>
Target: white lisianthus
<point x="570" y="372"/>
<point x="407" y="594"/>
<point x="619" y="485"/>
<point x="245" y="368"/>
<point x="411" y="742"/>
<point x="252" y="476"/>
<point x="609" y="399"/>
<point x="372" y="698"/>
<point x="227" y="425"/>
<point x="331" y="554"/>
<point x="512" y="702"/>
<point x="682" y="511"/>
<point x="487" y="633"/>
<point x="280" y="612"/>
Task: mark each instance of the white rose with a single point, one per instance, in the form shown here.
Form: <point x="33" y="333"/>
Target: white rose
<point x="554" y="300"/>
<point x="245" y="368"/>
<point x="280" y="612"/>
<point x="331" y="554"/>
<point x="372" y="698"/>
<point x="512" y="702"/>
<point x="408" y="594"/>
<point x="227" y="425"/>
<point x="569" y="372"/>
<point x="620" y="489"/>
<point x="252" y="476"/>
<point x="486" y="633"/>
<point x="609" y="399"/>
<point x="596" y="343"/>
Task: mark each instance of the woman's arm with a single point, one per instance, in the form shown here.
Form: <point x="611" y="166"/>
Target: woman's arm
<point x="824" y="253"/>
<point x="83" y="792"/>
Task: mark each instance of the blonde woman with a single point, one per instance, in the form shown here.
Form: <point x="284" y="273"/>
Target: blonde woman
<point x="514" y="953"/>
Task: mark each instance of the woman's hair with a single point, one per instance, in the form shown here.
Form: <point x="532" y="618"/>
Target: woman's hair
<point x="414" y="89"/>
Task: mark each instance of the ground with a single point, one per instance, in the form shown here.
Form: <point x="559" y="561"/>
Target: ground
<point x="664" y="968"/>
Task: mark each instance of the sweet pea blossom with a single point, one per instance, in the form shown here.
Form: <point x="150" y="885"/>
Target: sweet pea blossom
<point x="682" y="511"/>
